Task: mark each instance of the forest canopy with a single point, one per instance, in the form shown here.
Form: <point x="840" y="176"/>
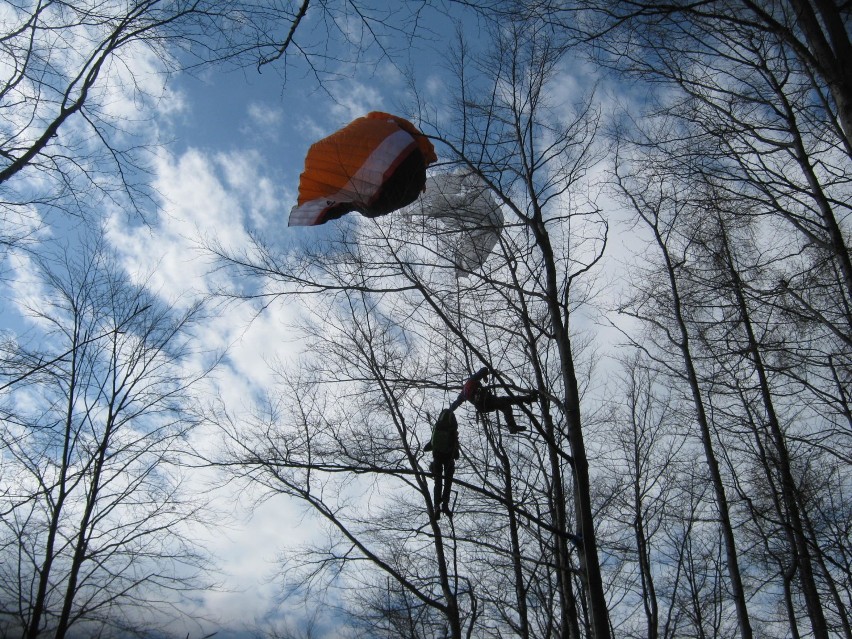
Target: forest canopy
<point x="635" y="222"/>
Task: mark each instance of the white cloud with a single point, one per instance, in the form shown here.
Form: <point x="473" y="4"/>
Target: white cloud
<point x="263" y="124"/>
<point x="134" y="87"/>
<point x="210" y="199"/>
<point x="265" y="116"/>
<point x="436" y="87"/>
<point x="354" y="99"/>
<point x="214" y="197"/>
<point x="26" y="288"/>
<point x="195" y="202"/>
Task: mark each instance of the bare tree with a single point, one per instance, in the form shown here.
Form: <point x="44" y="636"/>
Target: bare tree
<point x="399" y="290"/>
<point x="94" y="502"/>
<point x="351" y="431"/>
<point x="746" y="112"/>
<point x="758" y="88"/>
<point x="754" y="404"/>
<point x="533" y="158"/>
<point x="780" y="455"/>
<point x="646" y="454"/>
<point x="666" y="305"/>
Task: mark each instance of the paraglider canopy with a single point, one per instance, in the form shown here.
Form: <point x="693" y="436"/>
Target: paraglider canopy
<point x="374" y="165"/>
<point x="462" y="213"/>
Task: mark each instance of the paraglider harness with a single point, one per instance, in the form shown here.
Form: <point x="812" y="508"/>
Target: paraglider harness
<point x="485" y="401"/>
<point x="474" y="392"/>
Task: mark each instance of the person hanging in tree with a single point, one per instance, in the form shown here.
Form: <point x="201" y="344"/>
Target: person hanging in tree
<point x="445" y="451"/>
<point x="485" y="401"/>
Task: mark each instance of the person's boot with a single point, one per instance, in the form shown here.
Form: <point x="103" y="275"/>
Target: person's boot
<point x="513" y="426"/>
<point x="445" y="501"/>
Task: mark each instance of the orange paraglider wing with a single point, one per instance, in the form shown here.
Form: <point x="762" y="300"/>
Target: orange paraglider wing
<point x="374" y="165"/>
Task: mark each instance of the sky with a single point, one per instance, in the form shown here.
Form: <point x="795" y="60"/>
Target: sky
<point x="234" y="146"/>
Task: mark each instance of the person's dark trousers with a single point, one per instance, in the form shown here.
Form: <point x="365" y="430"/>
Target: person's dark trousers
<point x="491" y="403"/>
<point x="443" y="471"/>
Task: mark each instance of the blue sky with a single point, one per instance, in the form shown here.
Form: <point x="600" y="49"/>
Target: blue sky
<point x="232" y="146"/>
<point x="235" y="145"/>
<point x="239" y="143"/>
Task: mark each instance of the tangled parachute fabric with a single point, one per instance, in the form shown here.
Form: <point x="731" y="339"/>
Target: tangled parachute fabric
<point x="374" y="165"/>
<point x="469" y="219"/>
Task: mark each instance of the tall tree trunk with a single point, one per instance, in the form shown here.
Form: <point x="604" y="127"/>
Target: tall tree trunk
<point x="40" y="603"/>
<point x="839" y="604"/>
<point x="570" y="627"/>
<point x="588" y="550"/>
<point x="830" y="52"/>
<point x="82" y="544"/>
<point x="649" y="596"/>
<point x="568" y="613"/>
<point x="451" y="608"/>
<point x="789" y="490"/>
<point x="514" y="540"/>
<point x="834" y="241"/>
<point x="737" y="590"/>
<point x="787" y="571"/>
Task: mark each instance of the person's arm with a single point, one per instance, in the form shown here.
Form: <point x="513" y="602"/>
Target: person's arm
<point x="482" y="372"/>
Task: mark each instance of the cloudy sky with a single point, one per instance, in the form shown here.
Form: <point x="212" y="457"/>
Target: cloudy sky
<point x="234" y="145"/>
<point x="239" y="141"/>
